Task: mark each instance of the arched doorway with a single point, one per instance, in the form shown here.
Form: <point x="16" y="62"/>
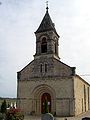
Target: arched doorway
<point x="38" y="97"/>
<point x="45" y="103"/>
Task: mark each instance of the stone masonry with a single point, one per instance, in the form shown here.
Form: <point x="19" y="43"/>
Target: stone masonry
<point x="46" y="77"/>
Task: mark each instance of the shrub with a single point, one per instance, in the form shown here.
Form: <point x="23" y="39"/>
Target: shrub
<point x="4" y="107"/>
<point x="2" y="116"/>
<point x="14" y="114"/>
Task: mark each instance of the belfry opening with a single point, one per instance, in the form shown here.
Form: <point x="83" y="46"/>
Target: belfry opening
<point x="43" y="45"/>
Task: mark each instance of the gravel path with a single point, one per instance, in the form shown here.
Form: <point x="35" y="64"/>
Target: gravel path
<point x="87" y="114"/>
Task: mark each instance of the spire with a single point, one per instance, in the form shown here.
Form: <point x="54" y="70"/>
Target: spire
<point x="46" y="24"/>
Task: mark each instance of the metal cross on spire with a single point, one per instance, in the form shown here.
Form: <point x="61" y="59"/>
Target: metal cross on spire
<point x="47" y="5"/>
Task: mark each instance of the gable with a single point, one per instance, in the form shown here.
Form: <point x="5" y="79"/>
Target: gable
<point x="26" y="72"/>
<point x="63" y="70"/>
<point x="51" y="67"/>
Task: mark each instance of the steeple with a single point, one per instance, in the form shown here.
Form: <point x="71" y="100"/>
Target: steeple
<point x="46" y="24"/>
<point x="46" y="38"/>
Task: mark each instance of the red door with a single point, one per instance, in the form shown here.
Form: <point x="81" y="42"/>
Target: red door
<point x="45" y="103"/>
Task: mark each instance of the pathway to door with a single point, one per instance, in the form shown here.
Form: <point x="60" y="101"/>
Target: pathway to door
<point x="79" y="117"/>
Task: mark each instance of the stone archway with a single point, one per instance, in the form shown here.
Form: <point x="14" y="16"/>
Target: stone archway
<point x="38" y="93"/>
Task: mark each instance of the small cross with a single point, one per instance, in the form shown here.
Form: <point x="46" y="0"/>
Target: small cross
<point x="47" y="5"/>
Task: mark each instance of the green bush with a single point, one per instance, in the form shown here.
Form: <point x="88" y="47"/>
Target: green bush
<point x="4" y="107"/>
<point x="2" y="116"/>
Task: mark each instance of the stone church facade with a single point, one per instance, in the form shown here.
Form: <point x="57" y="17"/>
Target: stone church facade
<point x="47" y="78"/>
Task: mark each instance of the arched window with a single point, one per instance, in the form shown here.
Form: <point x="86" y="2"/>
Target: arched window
<point x="43" y="45"/>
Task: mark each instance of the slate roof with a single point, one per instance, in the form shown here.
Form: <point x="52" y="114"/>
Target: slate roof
<point x="46" y="24"/>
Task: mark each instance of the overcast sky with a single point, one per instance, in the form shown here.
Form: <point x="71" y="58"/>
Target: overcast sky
<point x="19" y="19"/>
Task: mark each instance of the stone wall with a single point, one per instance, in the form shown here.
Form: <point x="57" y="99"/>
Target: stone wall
<point x="60" y="89"/>
<point x="55" y="68"/>
<point x="82" y="95"/>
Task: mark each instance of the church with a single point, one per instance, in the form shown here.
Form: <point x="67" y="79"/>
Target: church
<point x="47" y="78"/>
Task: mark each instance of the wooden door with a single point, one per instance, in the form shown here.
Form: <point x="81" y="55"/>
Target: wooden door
<point x="45" y="103"/>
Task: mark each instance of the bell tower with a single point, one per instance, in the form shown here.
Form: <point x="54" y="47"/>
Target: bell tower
<point x="46" y="38"/>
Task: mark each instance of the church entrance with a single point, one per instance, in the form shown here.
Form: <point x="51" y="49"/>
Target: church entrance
<point x="45" y="103"/>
